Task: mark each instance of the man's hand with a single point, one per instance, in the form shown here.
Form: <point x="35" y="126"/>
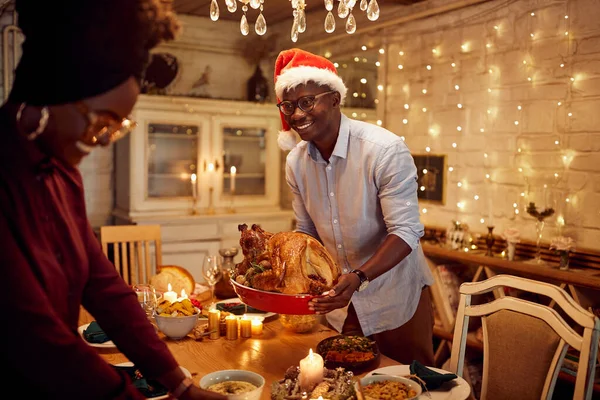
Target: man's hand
<point x="338" y="297"/>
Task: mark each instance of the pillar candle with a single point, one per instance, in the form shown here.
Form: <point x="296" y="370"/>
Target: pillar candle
<point x="231" y="327"/>
<point x="245" y="327"/>
<point x="232" y="174"/>
<point x="257" y="327"/>
<point x="170" y="295"/>
<point x="183" y="295"/>
<point x="214" y="317"/>
<point x="193" y="179"/>
<point x="311" y="371"/>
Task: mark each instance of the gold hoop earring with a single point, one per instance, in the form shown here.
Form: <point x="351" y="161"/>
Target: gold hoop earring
<point x="42" y="123"/>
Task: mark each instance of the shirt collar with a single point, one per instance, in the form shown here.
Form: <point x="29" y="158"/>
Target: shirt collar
<point x="341" y="144"/>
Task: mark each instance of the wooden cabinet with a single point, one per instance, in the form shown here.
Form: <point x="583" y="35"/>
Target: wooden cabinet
<point x="178" y="137"/>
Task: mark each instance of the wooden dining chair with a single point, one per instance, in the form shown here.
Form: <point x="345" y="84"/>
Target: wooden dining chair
<point x="525" y="342"/>
<point x="128" y="247"/>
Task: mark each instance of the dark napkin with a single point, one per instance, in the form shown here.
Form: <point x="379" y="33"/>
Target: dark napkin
<point x="148" y="387"/>
<point x="94" y="334"/>
<point x="238" y="309"/>
<point x="432" y="379"/>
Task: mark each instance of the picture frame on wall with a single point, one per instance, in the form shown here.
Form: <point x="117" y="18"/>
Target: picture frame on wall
<point x="431" y="177"/>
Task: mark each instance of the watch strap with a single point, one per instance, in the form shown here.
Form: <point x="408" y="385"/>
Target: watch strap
<point x="361" y="275"/>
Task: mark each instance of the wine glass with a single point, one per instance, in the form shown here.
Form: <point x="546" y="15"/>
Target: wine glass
<point x="540" y="204"/>
<point x="146" y="295"/>
<point x="211" y="270"/>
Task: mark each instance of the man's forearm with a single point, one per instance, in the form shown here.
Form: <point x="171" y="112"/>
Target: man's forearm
<point x="388" y="255"/>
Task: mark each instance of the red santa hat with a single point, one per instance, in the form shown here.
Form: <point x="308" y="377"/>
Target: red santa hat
<point x="296" y="67"/>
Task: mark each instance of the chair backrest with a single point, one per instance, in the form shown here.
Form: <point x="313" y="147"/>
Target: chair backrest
<point x="525" y="342"/>
<point x="131" y="245"/>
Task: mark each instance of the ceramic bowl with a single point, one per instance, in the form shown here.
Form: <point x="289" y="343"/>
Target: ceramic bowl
<point x="235" y="375"/>
<point x="176" y="327"/>
<point x="296" y="304"/>
<point x="364" y="382"/>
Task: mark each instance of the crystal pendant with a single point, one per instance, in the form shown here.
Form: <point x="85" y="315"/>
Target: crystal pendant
<point x="244" y="28"/>
<point x="232" y="7"/>
<point x="294" y="4"/>
<point x="301" y="21"/>
<point x="255" y="4"/>
<point x="329" y="23"/>
<point x="373" y="10"/>
<point x="350" y="4"/>
<point x="294" y="34"/>
<point x="351" y="24"/>
<point x="228" y="3"/>
<point x="261" y="25"/>
<point x="214" y="10"/>
<point x="329" y="5"/>
<point x="343" y="10"/>
<point x="363" y="5"/>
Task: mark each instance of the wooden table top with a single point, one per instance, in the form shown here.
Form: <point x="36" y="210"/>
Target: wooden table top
<point x="269" y="354"/>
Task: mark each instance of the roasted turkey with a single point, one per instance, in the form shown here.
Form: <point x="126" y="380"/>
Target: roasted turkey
<point x="284" y="262"/>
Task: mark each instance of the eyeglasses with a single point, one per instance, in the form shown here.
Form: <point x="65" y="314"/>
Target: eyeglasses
<point x="104" y="126"/>
<point x="305" y="103"/>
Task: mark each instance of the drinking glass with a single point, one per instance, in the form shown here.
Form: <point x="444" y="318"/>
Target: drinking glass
<point x="539" y="203"/>
<point x="211" y="270"/>
<point x="146" y="295"/>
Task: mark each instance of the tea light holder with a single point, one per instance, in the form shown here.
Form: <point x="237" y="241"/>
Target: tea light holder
<point x="257" y="327"/>
<point x="245" y="327"/>
<point x="214" y="317"/>
<point x="231" y="327"/>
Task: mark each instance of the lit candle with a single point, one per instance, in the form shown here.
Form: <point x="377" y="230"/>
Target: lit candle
<point x="257" y="327"/>
<point x="210" y="169"/>
<point x="311" y="371"/>
<point x="193" y="179"/>
<point x="170" y="295"/>
<point x="231" y="327"/>
<point x="245" y="326"/>
<point x="183" y="295"/>
<point x="214" y="317"/>
<point x="232" y="173"/>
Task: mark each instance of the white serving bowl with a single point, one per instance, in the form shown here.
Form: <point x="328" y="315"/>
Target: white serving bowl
<point x="176" y="327"/>
<point x="378" y="378"/>
<point x="236" y="375"/>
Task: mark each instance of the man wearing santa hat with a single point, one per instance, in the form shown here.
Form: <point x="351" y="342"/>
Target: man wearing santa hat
<point x="355" y="189"/>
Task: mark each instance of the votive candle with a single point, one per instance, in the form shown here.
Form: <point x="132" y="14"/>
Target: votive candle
<point x="231" y="327"/>
<point x="214" y="317"/>
<point x="257" y="327"/>
<point x="170" y="295"/>
<point x="311" y="371"/>
<point x="245" y="327"/>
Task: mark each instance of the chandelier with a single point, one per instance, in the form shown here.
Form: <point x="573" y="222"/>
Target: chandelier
<point x="344" y="10"/>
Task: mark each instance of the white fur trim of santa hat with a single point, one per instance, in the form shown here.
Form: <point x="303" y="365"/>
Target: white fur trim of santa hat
<point x="286" y="140"/>
<point x="301" y="75"/>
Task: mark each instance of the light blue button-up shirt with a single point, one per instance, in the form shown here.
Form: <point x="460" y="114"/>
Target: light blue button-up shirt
<point x="366" y="191"/>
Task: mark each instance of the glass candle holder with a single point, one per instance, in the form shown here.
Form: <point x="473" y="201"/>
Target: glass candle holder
<point x="214" y="317"/>
<point x="245" y="327"/>
<point x="231" y="327"/>
<point x="257" y="327"/>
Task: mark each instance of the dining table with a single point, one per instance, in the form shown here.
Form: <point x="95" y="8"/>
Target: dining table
<point x="269" y="354"/>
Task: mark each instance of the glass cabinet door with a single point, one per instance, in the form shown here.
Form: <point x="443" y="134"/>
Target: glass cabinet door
<point x="245" y="149"/>
<point x="172" y="159"/>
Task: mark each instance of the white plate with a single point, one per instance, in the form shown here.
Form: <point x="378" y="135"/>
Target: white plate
<point x="105" y="345"/>
<point x="166" y="396"/>
<point x="251" y="315"/>
<point x="457" y="389"/>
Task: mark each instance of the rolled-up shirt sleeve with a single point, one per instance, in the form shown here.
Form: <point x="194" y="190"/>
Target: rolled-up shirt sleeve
<point x="396" y="178"/>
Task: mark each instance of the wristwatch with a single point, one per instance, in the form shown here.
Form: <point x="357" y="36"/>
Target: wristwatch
<point x="364" y="281"/>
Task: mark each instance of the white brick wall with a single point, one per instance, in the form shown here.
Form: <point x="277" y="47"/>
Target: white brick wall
<point x="542" y="122"/>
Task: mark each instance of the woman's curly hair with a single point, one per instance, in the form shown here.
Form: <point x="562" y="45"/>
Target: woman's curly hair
<point x="163" y="25"/>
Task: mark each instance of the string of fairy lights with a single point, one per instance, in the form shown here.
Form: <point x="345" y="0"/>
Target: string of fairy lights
<point x="496" y="112"/>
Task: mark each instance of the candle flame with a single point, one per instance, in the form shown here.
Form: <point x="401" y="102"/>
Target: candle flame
<point x="193" y="178"/>
<point x="233" y="170"/>
<point x="211" y="167"/>
<point x="183" y="293"/>
<point x="169" y="287"/>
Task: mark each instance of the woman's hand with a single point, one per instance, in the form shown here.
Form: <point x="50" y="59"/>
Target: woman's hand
<point x="338" y="297"/>
<point x="195" y="393"/>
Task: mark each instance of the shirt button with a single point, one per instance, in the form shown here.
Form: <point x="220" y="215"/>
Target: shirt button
<point x="329" y="167"/>
<point x="335" y="221"/>
<point x="339" y="246"/>
<point x="332" y="194"/>
<point x="408" y="203"/>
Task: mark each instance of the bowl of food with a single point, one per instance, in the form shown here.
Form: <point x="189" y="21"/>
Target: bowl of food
<point x="376" y="387"/>
<point x="353" y="353"/>
<point x="299" y="323"/>
<point x="279" y="303"/>
<point x="235" y="384"/>
<point x="176" y="320"/>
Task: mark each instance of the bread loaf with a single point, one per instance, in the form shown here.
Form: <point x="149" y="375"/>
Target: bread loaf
<point x="177" y="276"/>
